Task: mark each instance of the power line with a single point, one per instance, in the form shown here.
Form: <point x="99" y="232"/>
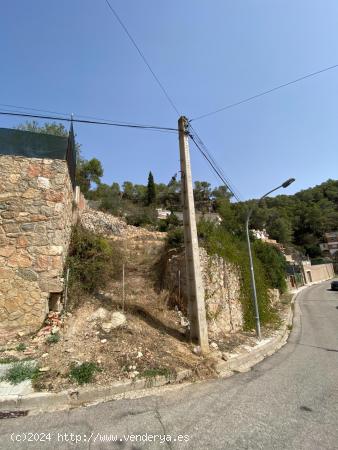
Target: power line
<point x="218" y="167"/>
<point x="261" y="94"/>
<point x="27" y="108"/>
<point x="33" y="109"/>
<point x="213" y="166"/>
<point x="143" y="57"/>
<point x="91" y="122"/>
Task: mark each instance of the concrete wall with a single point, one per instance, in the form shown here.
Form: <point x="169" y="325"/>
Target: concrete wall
<point x="36" y="202"/>
<point x="221" y="286"/>
<point x="320" y="272"/>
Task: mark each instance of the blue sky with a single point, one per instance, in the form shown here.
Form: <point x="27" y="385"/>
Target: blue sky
<point x="73" y="56"/>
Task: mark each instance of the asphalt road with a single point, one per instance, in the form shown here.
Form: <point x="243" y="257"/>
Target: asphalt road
<point x="288" y="401"/>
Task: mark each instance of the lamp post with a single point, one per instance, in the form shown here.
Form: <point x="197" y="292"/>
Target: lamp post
<point x="252" y="272"/>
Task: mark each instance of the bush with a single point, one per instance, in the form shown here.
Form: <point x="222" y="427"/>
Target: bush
<point x="170" y="223"/>
<point x="175" y="237"/>
<point x="83" y="373"/>
<point x="53" y="338"/>
<point x="21" y="347"/>
<point x="21" y="371"/>
<point x="93" y="261"/>
<point x="274" y="264"/>
<point x="218" y="241"/>
<point x="140" y="216"/>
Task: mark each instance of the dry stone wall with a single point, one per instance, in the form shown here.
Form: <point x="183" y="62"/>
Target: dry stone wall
<point x="36" y="201"/>
<point x="221" y="281"/>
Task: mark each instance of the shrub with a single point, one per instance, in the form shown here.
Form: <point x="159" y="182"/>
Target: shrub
<point x="21" y="347"/>
<point x="93" y="261"/>
<point x="141" y="216"/>
<point x="53" y="338"/>
<point x="175" y="237"/>
<point x="21" y="371"/>
<point x="218" y="241"/>
<point x="274" y="264"/>
<point x="83" y="373"/>
<point x="8" y="359"/>
<point x="170" y="223"/>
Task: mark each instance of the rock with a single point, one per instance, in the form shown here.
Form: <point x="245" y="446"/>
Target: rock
<point x="44" y="369"/>
<point x="184" y="322"/>
<point x="102" y="223"/>
<point x="214" y="345"/>
<point x="106" y="326"/>
<point x="69" y="350"/>
<point x="44" y="355"/>
<point x="100" y="313"/>
<point x="197" y="350"/>
<point x="55" y="330"/>
<point x="139" y="355"/>
<point x="103" y="341"/>
<point x="118" y="319"/>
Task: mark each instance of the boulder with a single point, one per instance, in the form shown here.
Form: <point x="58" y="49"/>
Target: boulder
<point x="99" y="314"/>
<point x="118" y="319"/>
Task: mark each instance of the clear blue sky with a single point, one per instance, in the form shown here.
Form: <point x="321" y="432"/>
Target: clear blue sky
<point x="72" y="56"/>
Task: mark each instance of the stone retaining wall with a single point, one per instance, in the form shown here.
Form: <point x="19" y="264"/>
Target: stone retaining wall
<point x="221" y="286"/>
<point x="36" y="202"/>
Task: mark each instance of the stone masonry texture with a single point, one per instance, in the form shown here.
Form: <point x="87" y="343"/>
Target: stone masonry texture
<point x="36" y="201"/>
<point x="221" y="283"/>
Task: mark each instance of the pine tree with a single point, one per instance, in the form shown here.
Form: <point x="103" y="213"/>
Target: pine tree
<point x="151" y="192"/>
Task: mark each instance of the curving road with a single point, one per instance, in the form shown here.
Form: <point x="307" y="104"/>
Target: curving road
<point x="289" y="401"/>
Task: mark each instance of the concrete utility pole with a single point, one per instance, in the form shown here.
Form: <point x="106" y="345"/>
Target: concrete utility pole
<point x="196" y="305"/>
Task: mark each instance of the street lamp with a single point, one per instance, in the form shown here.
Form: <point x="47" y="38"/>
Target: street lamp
<point x="252" y="272"/>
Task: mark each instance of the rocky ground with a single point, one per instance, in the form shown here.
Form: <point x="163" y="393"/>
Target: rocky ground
<point x="126" y="332"/>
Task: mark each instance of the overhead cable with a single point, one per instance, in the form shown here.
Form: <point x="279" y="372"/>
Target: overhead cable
<point x="214" y="168"/>
<point x="132" y="40"/>
<point x="91" y="122"/>
<point x="261" y="94"/>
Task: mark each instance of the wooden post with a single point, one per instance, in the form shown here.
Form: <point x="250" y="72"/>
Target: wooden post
<point x="196" y="305"/>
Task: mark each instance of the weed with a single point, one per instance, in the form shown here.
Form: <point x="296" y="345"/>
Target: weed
<point x="93" y="262"/>
<point x="8" y="359"/>
<point x="21" y="347"/>
<point x="53" y="338"/>
<point x="218" y="241"/>
<point x="21" y="371"/>
<point x="83" y="373"/>
<point x="290" y="327"/>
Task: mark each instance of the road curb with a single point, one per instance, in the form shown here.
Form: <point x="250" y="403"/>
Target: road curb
<point x="243" y="363"/>
<point x="48" y="401"/>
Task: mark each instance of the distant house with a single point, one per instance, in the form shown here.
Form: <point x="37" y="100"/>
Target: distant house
<point x="330" y="246"/>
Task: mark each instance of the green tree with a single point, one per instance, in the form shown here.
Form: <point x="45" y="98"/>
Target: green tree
<point x="202" y="196"/>
<point x="57" y="129"/>
<point x="88" y="172"/>
<point x="128" y="190"/>
<point x="151" y="190"/>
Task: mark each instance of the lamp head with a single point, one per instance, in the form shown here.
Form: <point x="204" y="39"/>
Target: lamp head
<point x="288" y="182"/>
